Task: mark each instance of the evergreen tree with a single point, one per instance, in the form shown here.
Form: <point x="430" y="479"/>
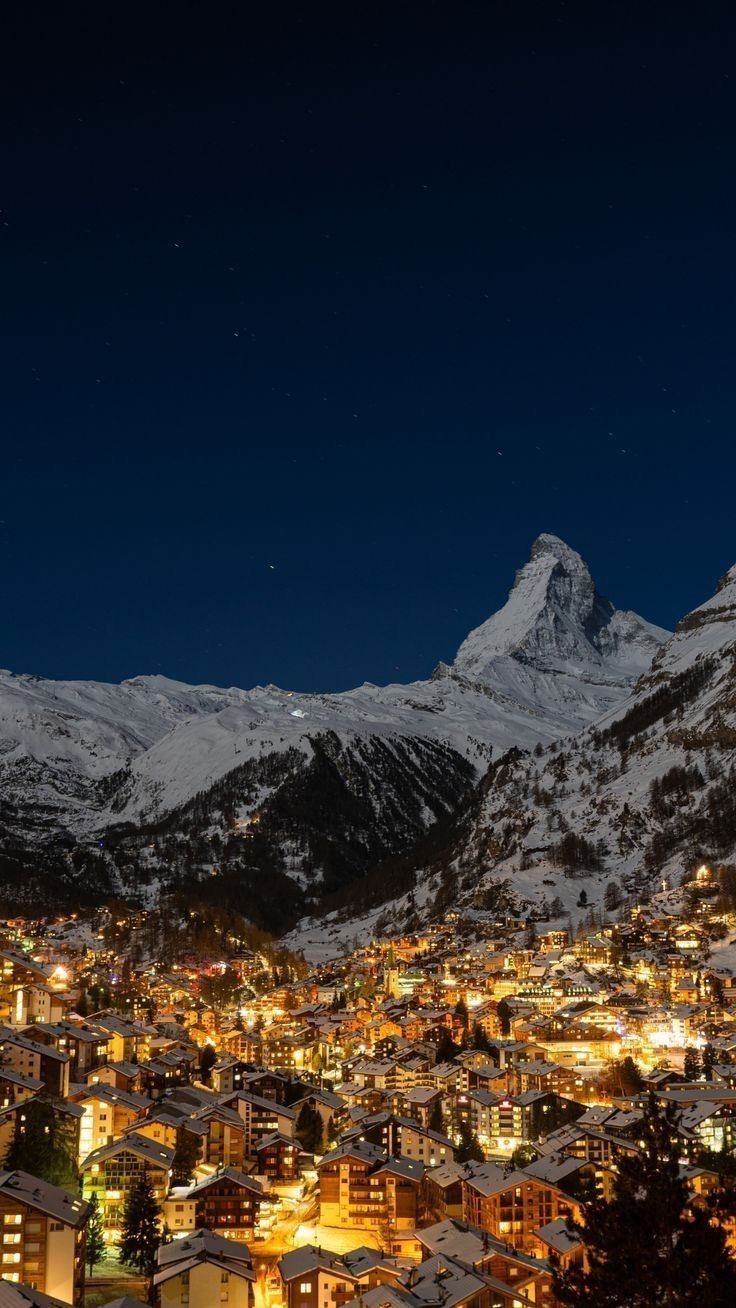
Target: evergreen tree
<point x="623" y="1077"/>
<point x="461" y="1011"/>
<point x="309" y="1130"/>
<point x="612" y="898"/>
<point x="446" y="1048"/>
<point x="709" y="1057"/>
<point x="436" y="1117"/>
<point x="206" y="1063"/>
<point x="505" y="1013"/>
<point x="523" y="1155"/>
<point x="42" y="1147"/>
<point x="140" y="1234"/>
<point x="479" y="1039"/>
<point x="469" y="1150"/>
<point x="691" y="1065"/>
<point x="186" y="1157"/>
<point x="649" y="1246"/>
<point x="95" y="1235"/>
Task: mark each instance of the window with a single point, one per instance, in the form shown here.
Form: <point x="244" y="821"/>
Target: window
<point x="10" y="1257"/>
<point x="305" y="1287"/>
<point x="224" y="1278"/>
<point x="11" y="1237"/>
<point x="13" y="1219"/>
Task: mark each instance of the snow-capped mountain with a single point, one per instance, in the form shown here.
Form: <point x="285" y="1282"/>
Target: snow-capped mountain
<point x="636" y="799"/>
<point x="82" y="757"/>
<point x="556" y="622"/>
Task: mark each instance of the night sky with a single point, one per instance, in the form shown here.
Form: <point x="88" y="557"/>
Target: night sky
<point x="314" y="316"/>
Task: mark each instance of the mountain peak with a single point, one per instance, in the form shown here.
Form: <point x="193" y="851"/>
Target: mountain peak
<point x="546" y="543"/>
<point x="556" y="621"/>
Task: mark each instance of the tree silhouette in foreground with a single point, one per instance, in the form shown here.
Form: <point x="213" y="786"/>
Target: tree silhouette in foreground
<point x="95" y="1250"/>
<point x="650" y="1246"/>
<point x="141" y="1230"/>
<point x="469" y="1149"/>
<point x="42" y="1146"/>
<point x="309" y="1129"/>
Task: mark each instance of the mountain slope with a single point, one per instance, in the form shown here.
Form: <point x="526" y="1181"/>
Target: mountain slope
<point x="156" y="756"/>
<point x="555" y="621"/>
<point x="640" y="798"/>
<point x="567" y="656"/>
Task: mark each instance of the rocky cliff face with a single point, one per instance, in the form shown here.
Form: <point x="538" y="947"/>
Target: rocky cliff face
<point x="555" y="622"/>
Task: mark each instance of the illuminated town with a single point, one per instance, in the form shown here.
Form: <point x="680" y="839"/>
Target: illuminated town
<point x="416" y="1122"/>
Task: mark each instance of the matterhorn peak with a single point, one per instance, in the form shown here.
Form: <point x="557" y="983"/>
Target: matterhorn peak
<point x="556" y="621"/>
<point x="547" y="543"/>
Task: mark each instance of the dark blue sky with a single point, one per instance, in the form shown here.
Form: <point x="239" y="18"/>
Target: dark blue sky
<point x="372" y="293"/>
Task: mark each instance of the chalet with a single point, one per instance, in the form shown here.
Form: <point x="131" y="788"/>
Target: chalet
<point x="228" y="1203"/>
<point x="40" y="1061"/>
<point x="528" y="1274"/>
<point x="260" y="1117"/>
<point x="442" y="1191"/>
<point x="107" y="1113"/>
<point x="204" y="1268"/>
<point x="277" y="1157"/>
<point x="224" y="1143"/>
<point x="120" y="1075"/>
<point x="360" y="1186"/>
<point x="126" y="1039"/>
<point x="312" y="1276"/>
<point x="513" y="1206"/>
<point x="86" y="1046"/>
<point x="112" y="1171"/>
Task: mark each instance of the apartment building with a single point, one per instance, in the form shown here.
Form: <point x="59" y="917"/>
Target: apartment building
<point x="111" y="1173"/>
<point x="204" y="1270"/>
<point x="43" y="1236"/>
<point x="360" y="1186"/>
<point x="228" y="1203"/>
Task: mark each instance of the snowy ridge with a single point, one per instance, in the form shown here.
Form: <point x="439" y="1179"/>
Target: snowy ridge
<point x="555" y="620"/>
<point x="650" y="789"/>
<point x="555" y="658"/>
<point x="288" y="799"/>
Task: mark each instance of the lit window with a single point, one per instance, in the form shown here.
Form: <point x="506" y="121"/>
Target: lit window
<point x="305" y="1287"/>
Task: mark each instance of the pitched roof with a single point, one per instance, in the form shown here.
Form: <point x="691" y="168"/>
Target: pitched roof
<point x="558" y="1236"/>
<point x="22" y="1296"/>
<point x="59" y="1204"/>
<point x="226" y="1174"/>
<point x="151" y="1150"/>
<point x="203" y="1247"/>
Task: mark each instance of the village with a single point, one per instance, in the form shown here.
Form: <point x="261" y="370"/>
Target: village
<point x="414" y="1122"/>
